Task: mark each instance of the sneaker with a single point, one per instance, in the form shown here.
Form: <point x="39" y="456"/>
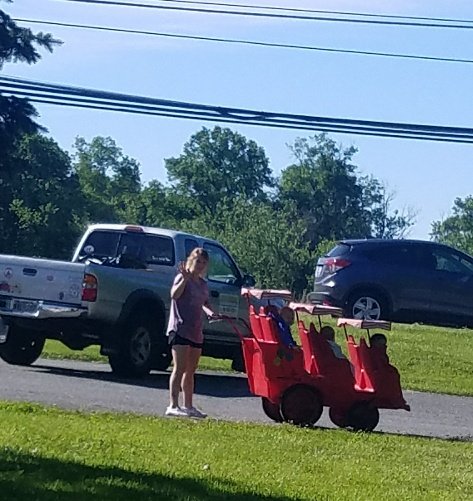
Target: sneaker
<point x="193" y="412"/>
<point x="176" y="411"/>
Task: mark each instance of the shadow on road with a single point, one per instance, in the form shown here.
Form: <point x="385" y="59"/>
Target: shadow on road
<point x="213" y="384"/>
<point x="30" y="476"/>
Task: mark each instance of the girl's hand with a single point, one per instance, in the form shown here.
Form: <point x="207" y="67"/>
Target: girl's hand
<point x="184" y="271"/>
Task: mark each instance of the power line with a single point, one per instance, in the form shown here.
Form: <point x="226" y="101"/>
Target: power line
<point x="274" y="16"/>
<point x="248" y="42"/>
<point x="103" y="100"/>
<point x="315" y="11"/>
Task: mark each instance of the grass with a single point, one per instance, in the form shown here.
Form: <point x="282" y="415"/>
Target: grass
<point x="433" y="359"/>
<point x="48" y="454"/>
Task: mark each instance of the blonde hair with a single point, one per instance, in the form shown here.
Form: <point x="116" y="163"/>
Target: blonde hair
<point x="195" y="254"/>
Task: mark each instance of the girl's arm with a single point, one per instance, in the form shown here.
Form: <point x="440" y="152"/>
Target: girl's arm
<point x="180" y="281"/>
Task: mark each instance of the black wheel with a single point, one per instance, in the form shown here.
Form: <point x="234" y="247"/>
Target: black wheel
<point x="368" y="305"/>
<point x="301" y="405"/>
<point x="273" y="411"/>
<point x="22" y="347"/>
<point x="363" y="417"/>
<point x="134" y="356"/>
<point x="338" y="417"/>
<point x="162" y="360"/>
<point x="238" y="362"/>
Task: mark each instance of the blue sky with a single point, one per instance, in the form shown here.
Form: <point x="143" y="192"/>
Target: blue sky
<point x="426" y="176"/>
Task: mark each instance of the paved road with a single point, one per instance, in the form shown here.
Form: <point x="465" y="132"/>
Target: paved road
<point x="91" y="386"/>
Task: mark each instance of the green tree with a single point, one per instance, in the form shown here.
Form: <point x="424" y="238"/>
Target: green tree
<point x="266" y="242"/>
<point x="333" y="199"/>
<point x="217" y="165"/>
<point x="17" y="115"/>
<point x="456" y="229"/>
<point x="109" y="180"/>
<point x="325" y="189"/>
<point x="42" y="201"/>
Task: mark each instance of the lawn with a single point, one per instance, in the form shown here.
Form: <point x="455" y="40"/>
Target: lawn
<point x="429" y="358"/>
<point x="48" y="454"/>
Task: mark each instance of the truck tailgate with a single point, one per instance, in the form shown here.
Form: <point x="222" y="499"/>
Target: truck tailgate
<point x="41" y="279"/>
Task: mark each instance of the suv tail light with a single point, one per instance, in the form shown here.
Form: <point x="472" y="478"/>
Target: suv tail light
<point x="334" y="264"/>
<point x="89" y="288"/>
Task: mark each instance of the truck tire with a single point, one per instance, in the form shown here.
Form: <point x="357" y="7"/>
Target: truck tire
<point x="135" y="352"/>
<point x="22" y="347"/>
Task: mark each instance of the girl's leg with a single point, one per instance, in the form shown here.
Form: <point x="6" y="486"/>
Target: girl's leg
<point x="193" y="356"/>
<point x="179" y="357"/>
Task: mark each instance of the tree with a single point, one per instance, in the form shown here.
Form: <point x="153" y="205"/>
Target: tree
<point x="268" y="243"/>
<point x="325" y="189"/>
<point x="42" y="202"/>
<point x="220" y="164"/>
<point x="385" y="221"/>
<point x="457" y="229"/>
<point x="333" y="200"/>
<point x="109" y="180"/>
<point x="18" y="45"/>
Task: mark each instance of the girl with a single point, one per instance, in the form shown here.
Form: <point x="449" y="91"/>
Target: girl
<point x="189" y="295"/>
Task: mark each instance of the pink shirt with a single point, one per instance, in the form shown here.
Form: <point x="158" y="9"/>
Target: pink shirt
<point x="185" y="318"/>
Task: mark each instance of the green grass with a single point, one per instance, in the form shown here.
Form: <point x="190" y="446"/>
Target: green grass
<point x="56" y="350"/>
<point x="433" y="359"/>
<point x="48" y="454"/>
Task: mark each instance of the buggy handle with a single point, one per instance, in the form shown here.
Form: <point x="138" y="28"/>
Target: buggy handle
<point x="232" y="321"/>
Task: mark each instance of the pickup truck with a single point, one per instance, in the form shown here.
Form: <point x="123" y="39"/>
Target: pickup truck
<point x="115" y="294"/>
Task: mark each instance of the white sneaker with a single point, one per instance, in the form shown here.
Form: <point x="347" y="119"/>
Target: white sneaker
<point x="176" y="411"/>
<point x="193" y="412"/>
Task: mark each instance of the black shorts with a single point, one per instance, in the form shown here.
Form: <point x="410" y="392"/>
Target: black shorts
<point x="176" y="340"/>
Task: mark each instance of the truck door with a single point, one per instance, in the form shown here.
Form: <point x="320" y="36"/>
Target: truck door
<point x="224" y="281"/>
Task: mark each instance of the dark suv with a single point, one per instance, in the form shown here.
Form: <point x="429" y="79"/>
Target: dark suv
<point x="404" y="280"/>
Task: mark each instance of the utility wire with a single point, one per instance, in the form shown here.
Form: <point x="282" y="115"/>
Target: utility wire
<point x="314" y="11"/>
<point x="247" y="42"/>
<point x="88" y="98"/>
<point x="274" y="16"/>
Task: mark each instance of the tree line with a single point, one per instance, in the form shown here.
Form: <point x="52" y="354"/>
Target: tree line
<point x="220" y="186"/>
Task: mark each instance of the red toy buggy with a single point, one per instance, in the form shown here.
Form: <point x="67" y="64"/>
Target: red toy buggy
<point x="295" y="383"/>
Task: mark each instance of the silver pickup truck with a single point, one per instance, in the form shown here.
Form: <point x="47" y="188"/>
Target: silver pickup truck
<point x="115" y="294"/>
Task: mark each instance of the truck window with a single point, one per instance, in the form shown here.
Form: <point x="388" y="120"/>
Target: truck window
<point x="158" y="250"/>
<point x="105" y="243"/>
<point x="190" y="244"/>
<point x="221" y="266"/>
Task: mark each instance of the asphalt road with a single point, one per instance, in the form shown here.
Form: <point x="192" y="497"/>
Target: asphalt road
<point x="91" y="386"/>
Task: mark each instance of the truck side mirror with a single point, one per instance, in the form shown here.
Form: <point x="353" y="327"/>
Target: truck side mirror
<point x="248" y="281"/>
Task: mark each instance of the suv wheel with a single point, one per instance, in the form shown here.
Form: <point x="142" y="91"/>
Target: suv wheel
<point x="367" y="305"/>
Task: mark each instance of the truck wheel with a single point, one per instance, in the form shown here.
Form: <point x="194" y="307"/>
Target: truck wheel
<point x="22" y="347"/>
<point x="134" y="356"/>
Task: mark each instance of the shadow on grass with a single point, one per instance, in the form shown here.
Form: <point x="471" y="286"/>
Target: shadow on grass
<point x="28" y="476"/>
<point x="223" y="385"/>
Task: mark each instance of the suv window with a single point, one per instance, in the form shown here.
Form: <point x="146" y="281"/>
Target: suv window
<point x="452" y="262"/>
<point x="221" y="267"/>
<point x="406" y="255"/>
<point x="339" y="250"/>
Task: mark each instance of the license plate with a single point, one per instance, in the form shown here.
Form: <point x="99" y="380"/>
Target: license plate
<point x="318" y="270"/>
<point x="23" y="306"/>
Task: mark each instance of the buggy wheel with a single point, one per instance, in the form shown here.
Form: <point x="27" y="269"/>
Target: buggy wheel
<point x="362" y="416"/>
<point x="273" y="411"/>
<point x="338" y="417"/>
<point x="301" y="405"/>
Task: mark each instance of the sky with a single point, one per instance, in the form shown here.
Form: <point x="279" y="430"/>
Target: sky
<point x="425" y="176"/>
